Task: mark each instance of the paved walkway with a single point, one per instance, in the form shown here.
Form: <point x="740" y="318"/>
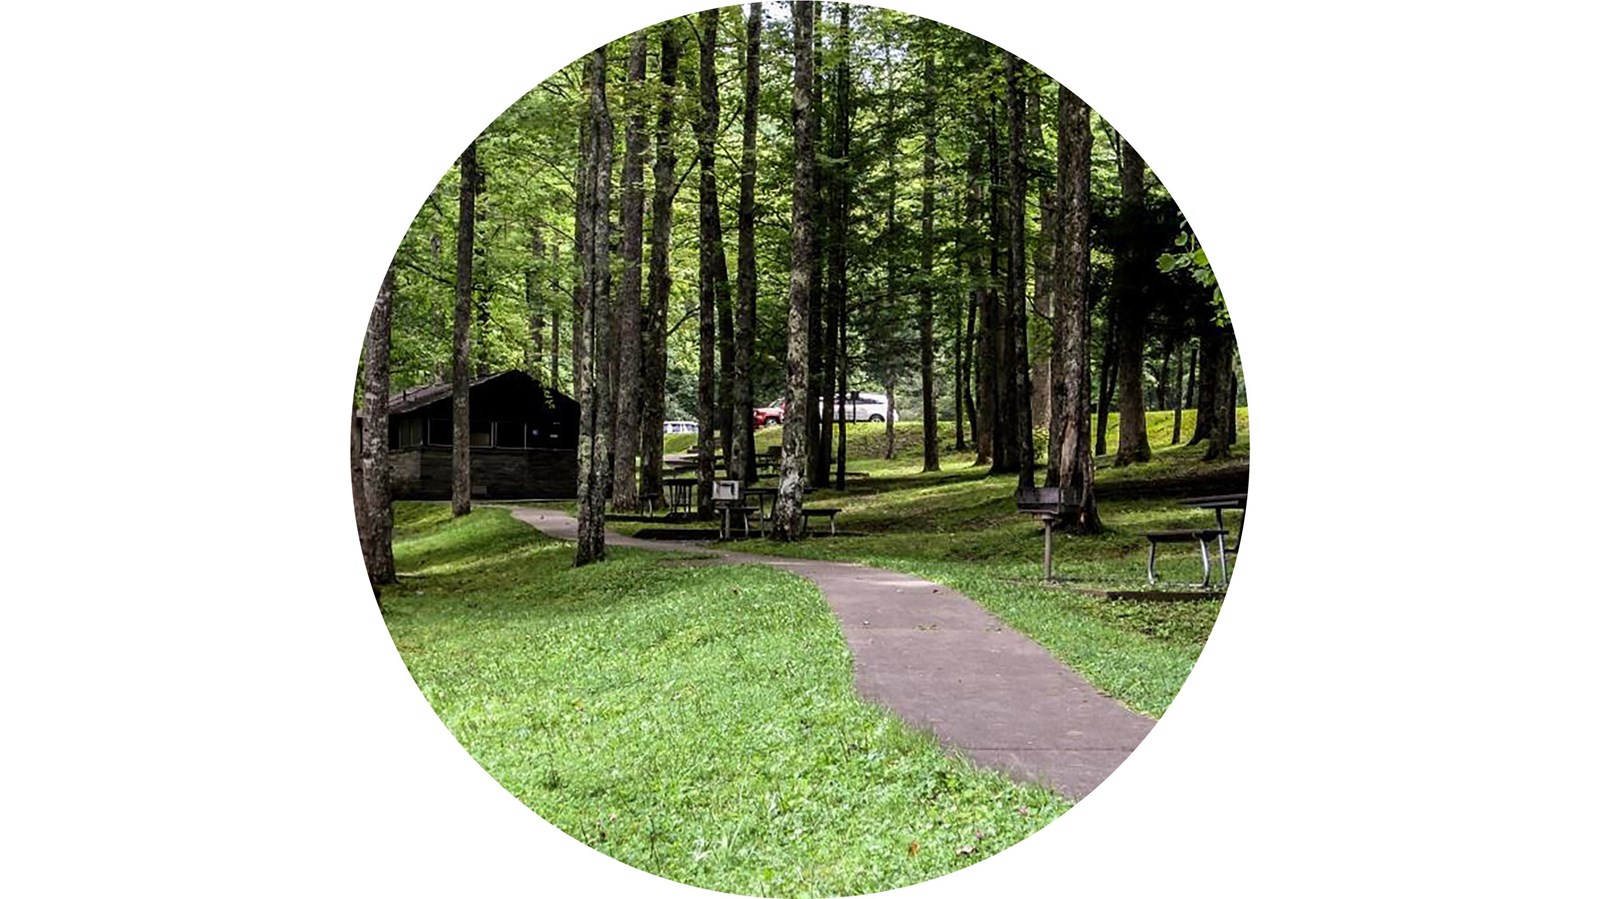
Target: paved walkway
<point x="943" y="663"/>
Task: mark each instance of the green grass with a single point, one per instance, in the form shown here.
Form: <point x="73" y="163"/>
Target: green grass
<point x="698" y="722"/>
<point x="961" y="528"/>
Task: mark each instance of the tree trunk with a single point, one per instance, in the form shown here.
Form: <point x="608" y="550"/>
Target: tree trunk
<point x="1017" y="270"/>
<point x="1177" y="396"/>
<point x="375" y="440"/>
<point x="653" y="401"/>
<point x="1070" y="312"/>
<point x="888" y="420"/>
<point x="787" y="520"/>
<point x="1206" y="404"/>
<point x="1108" y="378"/>
<point x="930" y="134"/>
<point x="1133" y="441"/>
<point x="358" y="492"/>
<point x="713" y="261"/>
<point x="624" y="494"/>
<point x="980" y="313"/>
<point x="742" y="451"/>
<point x="461" y="359"/>
<point x="536" y="364"/>
<point x="592" y="354"/>
<point x="1217" y="442"/>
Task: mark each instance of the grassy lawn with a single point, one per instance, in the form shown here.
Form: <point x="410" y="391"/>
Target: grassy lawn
<point x="962" y="529"/>
<point x="697" y="722"/>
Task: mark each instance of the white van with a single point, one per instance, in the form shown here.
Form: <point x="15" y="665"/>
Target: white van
<point x="859" y="406"/>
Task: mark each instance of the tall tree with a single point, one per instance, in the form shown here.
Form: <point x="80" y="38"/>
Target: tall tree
<point x="1177" y="396"/>
<point x="591" y="352"/>
<point x="1016" y="270"/>
<point x="742" y="446"/>
<point x="1070" y="308"/>
<point x="787" y="519"/>
<point x="930" y="151"/>
<point x="376" y="539"/>
<point x="624" y="495"/>
<point x="1133" y="311"/>
<point x="840" y="184"/>
<point x="461" y="358"/>
<point x="660" y="277"/>
<point x="713" y="261"/>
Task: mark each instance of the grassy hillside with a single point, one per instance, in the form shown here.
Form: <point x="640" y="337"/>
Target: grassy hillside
<point x="698" y="722"/>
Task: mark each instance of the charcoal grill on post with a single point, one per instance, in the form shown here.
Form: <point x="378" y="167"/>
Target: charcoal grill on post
<point x="1050" y="506"/>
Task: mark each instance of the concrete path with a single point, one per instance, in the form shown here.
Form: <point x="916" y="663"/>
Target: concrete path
<point x="942" y="663"/>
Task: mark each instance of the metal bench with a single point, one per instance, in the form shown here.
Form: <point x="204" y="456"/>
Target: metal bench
<point x="1202" y="537"/>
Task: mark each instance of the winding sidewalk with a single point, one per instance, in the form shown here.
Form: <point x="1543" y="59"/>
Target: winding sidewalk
<point x="943" y="663"/>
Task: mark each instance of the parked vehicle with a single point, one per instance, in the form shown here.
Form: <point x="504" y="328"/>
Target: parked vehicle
<point x="770" y="414"/>
<point x="859" y="406"/>
<point x="680" y="427"/>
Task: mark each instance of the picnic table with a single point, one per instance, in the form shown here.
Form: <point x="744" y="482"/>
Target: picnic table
<point x="1201" y="536"/>
<point x="680" y="493"/>
<point x="1217" y="504"/>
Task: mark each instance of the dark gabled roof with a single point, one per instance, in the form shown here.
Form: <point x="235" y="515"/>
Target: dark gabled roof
<point x="417" y="397"/>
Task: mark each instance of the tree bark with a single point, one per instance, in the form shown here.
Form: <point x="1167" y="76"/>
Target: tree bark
<point x="1217" y="442"/>
<point x="1133" y="441"/>
<point x="624" y="493"/>
<point x="930" y="135"/>
<point x="888" y="420"/>
<point x="1177" y="396"/>
<point x="742" y="451"/>
<point x="461" y="359"/>
<point x="358" y="492"/>
<point x="1016" y="272"/>
<point x="1070" y="312"/>
<point x="536" y="364"/>
<point x="713" y="261"/>
<point x="375" y="440"/>
<point x="1206" y="403"/>
<point x="1108" y="377"/>
<point x="787" y="519"/>
<point x="592" y="354"/>
<point x="653" y="401"/>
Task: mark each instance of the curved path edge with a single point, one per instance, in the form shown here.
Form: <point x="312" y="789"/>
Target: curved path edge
<point x="942" y="663"/>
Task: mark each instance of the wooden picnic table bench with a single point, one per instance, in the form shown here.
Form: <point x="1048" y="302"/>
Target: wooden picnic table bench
<point x="809" y="512"/>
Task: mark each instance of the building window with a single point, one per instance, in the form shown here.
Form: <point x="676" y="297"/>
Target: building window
<point x="406" y="433"/>
<point x="510" y="435"/>
<point x="482" y="434"/>
<point x="439" y="432"/>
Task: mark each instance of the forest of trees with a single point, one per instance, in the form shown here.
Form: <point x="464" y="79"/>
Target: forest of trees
<point x="914" y="211"/>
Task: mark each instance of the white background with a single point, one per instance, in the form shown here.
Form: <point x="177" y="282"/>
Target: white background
<point x="201" y="698"/>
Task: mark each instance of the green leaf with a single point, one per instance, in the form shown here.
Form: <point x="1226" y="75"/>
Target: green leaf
<point x="1200" y="257"/>
<point x="1182" y="239"/>
<point x="1167" y="262"/>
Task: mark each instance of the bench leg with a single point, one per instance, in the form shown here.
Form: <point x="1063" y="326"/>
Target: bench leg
<point x="1205" y="565"/>
<point x="1150" y="564"/>
<point x="1222" y="557"/>
<point x="833" y="525"/>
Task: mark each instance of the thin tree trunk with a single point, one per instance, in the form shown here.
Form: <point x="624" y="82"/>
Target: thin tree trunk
<point x="624" y="494"/>
<point x="536" y="363"/>
<point x="961" y="382"/>
<point x="1133" y="441"/>
<point x="1017" y="270"/>
<point x="1070" y="313"/>
<point x="461" y="359"/>
<point x="787" y="519"/>
<point x="930" y="134"/>
<point x="742" y="451"/>
<point x="980" y="313"/>
<point x="1108" y="377"/>
<point x="713" y="261"/>
<point x="1206" y="403"/>
<point x="1177" y="396"/>
<point x="653" y="401"/>
<point x="888" y="420"/>
<point x="594" y="364"/>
